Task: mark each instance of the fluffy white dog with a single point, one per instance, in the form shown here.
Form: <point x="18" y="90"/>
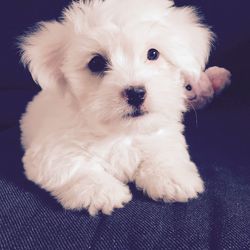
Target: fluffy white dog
<point x="111" y="107"/>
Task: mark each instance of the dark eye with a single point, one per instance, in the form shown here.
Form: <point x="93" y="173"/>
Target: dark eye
<point x="98" y="64"/>
<point x="189" y="87"/>
<point x="153" y="54"/>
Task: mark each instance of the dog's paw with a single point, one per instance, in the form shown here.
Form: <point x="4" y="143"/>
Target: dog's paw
<point x="107" y="200"/>
<point x="103" y="198"/>
<point x="171" y="185"/>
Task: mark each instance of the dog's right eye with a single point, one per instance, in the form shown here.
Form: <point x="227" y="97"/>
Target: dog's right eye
<point x="98" y="64"/>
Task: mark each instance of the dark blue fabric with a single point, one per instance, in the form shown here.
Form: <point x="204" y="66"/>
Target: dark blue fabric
<point x="219" y="143"/>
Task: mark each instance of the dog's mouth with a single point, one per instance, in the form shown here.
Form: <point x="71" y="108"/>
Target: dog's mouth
<point x="137" y="112"/>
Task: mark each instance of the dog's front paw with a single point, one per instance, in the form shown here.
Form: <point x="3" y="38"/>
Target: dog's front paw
<point x="95" y="198"/>
<point x="172" y="185"/>
<point x="106" y="200"/>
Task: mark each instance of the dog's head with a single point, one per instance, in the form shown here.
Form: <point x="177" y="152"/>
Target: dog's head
<point x="121" y="61"/>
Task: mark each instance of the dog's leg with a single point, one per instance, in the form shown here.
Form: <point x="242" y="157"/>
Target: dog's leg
<point x="167" y="172"/>
<point x="75" y="178"/>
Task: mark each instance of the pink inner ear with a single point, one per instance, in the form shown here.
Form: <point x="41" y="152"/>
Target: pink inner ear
<point x="219" y="77"/>
<point x="218" y="83"/>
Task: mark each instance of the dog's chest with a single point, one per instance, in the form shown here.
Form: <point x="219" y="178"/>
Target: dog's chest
<point x="120" y="157"/>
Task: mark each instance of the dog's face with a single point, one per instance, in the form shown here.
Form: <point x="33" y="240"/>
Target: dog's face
<point x="122" y="73"/>
<point x="121" y="61"/>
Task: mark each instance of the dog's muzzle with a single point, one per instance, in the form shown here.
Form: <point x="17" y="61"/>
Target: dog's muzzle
<point x="135" y="97"/>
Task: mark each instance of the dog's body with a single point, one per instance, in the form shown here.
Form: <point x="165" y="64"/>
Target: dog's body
<point x="112" y="102"/>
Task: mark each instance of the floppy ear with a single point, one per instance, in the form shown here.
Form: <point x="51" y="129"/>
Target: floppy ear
<point x="42" y="51"/>
<point x="188" y="41"/>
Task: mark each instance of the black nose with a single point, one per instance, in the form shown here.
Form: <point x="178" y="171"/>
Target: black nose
<point x="135" y="96"/>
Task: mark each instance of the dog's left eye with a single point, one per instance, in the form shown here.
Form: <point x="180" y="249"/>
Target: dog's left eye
<point x="98" y="64"/>
<point x="153" y="54"/>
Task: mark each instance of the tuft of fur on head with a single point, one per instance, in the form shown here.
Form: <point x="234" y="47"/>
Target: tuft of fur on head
<point x="57" y="55"/>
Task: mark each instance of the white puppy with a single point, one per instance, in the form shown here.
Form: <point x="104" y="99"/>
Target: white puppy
<point x="111" y="107"/>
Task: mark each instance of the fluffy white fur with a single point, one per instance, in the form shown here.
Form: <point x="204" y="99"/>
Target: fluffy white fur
<point x="79" y="144"/>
